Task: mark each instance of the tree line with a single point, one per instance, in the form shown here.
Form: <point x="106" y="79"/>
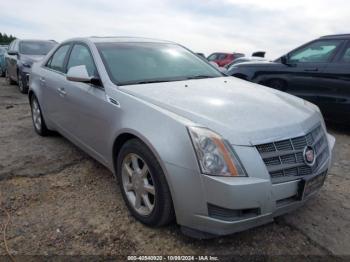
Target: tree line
<point x="6" y="39"/>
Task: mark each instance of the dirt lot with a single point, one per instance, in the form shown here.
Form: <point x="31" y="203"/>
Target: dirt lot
<point x="61" y="201"/>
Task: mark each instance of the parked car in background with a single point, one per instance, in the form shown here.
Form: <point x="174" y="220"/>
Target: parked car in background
<point x="219" y="154"/>
<point x="4" y="46"/>
<point x="318" y="71"/>
<point x="222" y="59"/>
<point x="245" y="59"/>
<point x="2" y="61"/>
<point x="20" y="57"/>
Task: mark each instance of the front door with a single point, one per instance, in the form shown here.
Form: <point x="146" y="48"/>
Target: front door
<point x="85" y="106"/>
<point x="334" y="96"/>
<point x="307" y="65"/>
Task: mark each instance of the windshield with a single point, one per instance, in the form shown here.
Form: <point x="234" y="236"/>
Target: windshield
<point x="35" y="47"/>
<point x="139" y="63"/>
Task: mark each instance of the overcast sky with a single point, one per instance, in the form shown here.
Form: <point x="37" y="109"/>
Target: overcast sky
<point x="275" y="26"/>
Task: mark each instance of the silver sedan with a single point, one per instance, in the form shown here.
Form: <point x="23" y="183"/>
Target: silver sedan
<point x="216" y="153"/>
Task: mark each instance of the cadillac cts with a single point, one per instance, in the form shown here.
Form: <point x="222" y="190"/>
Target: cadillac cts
<point x="216" y="153"/>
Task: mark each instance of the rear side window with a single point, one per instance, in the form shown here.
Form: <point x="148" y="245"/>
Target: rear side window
<point x="81" y="55"/>
<point x="56" y="62"/>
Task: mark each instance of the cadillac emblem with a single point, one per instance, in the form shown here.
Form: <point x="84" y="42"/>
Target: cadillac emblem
<point x="309" y="155"/>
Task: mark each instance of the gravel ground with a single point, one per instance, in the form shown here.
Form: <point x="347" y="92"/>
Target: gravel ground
<point x="61" y="201"/>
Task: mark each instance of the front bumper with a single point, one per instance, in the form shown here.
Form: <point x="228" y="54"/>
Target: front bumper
<point x="254" y="203"/>
<point x="225" y="205"/>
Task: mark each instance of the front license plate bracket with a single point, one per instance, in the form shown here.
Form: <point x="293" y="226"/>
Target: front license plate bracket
<point x="310" y="184"/>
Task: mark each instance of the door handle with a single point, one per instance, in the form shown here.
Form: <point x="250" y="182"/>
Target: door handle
<point x="311" y="69"/>
<point x="61" y="91"/>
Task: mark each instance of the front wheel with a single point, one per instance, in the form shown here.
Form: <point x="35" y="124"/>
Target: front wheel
<point x="37" y="117"/>
<point x="143" y="184"/>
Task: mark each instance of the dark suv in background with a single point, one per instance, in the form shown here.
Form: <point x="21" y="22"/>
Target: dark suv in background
<point x="20" y="57"/>
<point x="318" y="71"/>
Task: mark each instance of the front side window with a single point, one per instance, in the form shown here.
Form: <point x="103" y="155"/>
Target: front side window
<point x="346" y="56"/>
<point x="35" y="47"/>
<point x="139" y="63"/>
<point x="316" y="52"/>
<point x="80" y="55"/>
<point x="56" y="62"/>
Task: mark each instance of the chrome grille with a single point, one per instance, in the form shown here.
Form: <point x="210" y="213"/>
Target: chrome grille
<point x="285" y="158"/>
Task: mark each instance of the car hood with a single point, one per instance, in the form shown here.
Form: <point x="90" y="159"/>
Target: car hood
<point x="242" y="112"/>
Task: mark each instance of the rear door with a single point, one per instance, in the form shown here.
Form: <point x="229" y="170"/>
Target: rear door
<point x="307" y="65"/>
<point x="52" y="81"/>
<point x="334" y="95"/>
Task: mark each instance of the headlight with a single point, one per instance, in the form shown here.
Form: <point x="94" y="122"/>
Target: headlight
<point x="215" y="156"/>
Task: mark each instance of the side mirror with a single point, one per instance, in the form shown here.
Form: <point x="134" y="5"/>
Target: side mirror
<point x="284" y="60"/>
<point x="12" y="52"/>
<point x="80" y="74"/>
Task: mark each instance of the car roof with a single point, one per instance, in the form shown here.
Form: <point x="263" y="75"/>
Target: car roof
<point x="338" y="36"/>
<point x="35" y="40"/>
<point x="120" y="39"/>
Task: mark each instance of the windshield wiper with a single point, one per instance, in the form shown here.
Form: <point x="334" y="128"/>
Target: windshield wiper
<point x="161" y="80"/>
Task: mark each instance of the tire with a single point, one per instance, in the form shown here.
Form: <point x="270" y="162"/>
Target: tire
<point x="22" y="86"/>
<point x="277" y="84"/>
<point x="134" y="181"/>
<point x="37" y="118"/>
<point x="8" y="79"/>
<point x="2" y="72"/>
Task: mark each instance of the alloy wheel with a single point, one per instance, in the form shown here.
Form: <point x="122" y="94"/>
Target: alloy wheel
<point x="36" y="114"/>
<point x="138" y="184"/>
